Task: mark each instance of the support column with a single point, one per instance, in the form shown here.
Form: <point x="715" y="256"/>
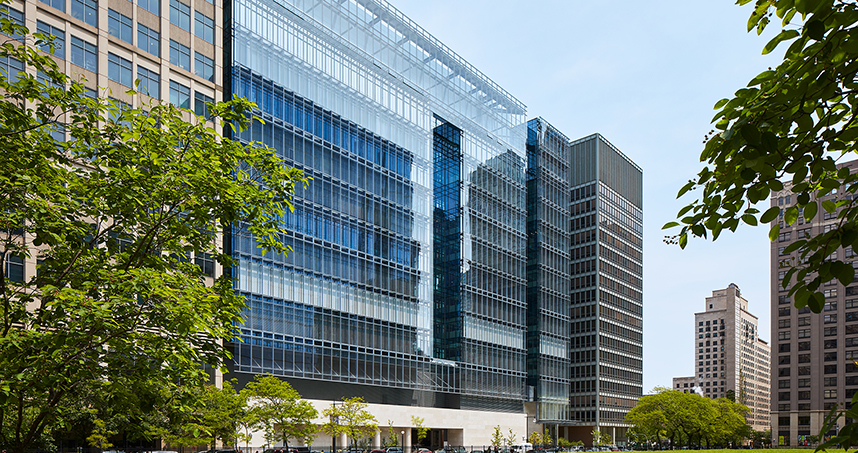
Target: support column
<point x="376" y="440"/>
<point x="406" y="443"/>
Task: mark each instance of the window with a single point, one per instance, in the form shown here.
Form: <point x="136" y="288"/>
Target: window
<point x="830" y="306"/>
<point x="10" y="67"/>
<point x="829" y="357"/>
<point x="804" y="383"/>
<point x="85" y="10"/>
<point x="119" y="70"/>
<point x="804" y="233"/>
<point x="84" y="54"/>
<point x="829" y="394"/>
<point x="116" y="108"/>
<point x="204" y="27"/>
<point x="180" y="95"/>
<point x="830" y="344"/>
<point x="784" y="335"/>
<point x="804" y="346"/>
<point x="829" y="369"/>
<point x="829" y="382"/>
<point x="59" y="41"/>
<point x="829" y="319"/>
<point x="150" y="82"/>
<point x="153" y="6"/>
<point x="784" y="396"/>
<point x="783" y="300"/>
<point x="805" y="321"/>
<point x="58" y="4"/>
<point x="204" y="66"/>
<point x="804" y="395"/>
<point x="783" y="237"/>
<point x="148" y="40"/>
<point x="14" y="268"/>
<point x="783" y="372"/>
<point x="804" y="358"/>
<point x="804" y="333"/>
<point x="180" y="55"/>
<point x="783" y="360"/>
<point x="783" y="311"/>
<point x="852" y="303"/>
<point x="784" y="347"/>
<point x="119" y="25"/>
<point x="784" y="408"/>
<point x="783" y="384"/>
<point x="200" y="101"/>
<point x="180" y="15"/>
<point x="204" y="260"/>
<point x="804" y="371"/>
<point x="830" y="293"/>
<point x="830" y="331"/>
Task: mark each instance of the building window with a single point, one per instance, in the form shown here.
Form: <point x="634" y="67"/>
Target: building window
<point x="829" y="319"/>
<point x="153" y="6"/>
<point x="782" y="300"/>
<point x="783" y="360"/>
<point x="804" y="346"/>
<point x="783" y="347"/>
<point x="204" y="66"/>
<point x="119" y="25"/>
<point x="784" y="311"/>
<point x="804" y="358"/>
<point x="59" y="41"/>
<point x="150" y="82"/>
<point x="784" y="335"/>
<point x="804" y="395"/>
<point x="180" y="15"/>
<point x="804" y="321"/>
<point x="829" y="369"/>
<point x="804" y="371"/>
<point x="180" y="55"/>
<point x="783" y="384"/>
<point x="830" y="344"/>
<point x="180" y="95"/>
<point x="85" y="10"/>
<point x="804" y="383"/>
<point x="804" y="333"/>
<point x="830" y="331"/>
<point x="829" y="357"/>
<point x="829" y="382"/>
<point x="84" y="54"/>
<point x="828" y="293"/>
<point x="200" y="104"/>
<point x="11" y="67"/>
<point x="783" y="237"/>
<point x="783" y="372"/>
<point x="14" y="268"/>
<point x="204" y="27"/>
<point x="119" y="70"/>
<point x="58" y="4"/>
<point x="204" y="260"/>
<point x="829" y="394"/>
<point x="148" y="40"/>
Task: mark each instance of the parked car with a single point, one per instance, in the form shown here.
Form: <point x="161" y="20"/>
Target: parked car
<point x="394" y="450"/>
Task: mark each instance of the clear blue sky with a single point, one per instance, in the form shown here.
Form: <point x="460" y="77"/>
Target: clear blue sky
<point x="645" y="74"/>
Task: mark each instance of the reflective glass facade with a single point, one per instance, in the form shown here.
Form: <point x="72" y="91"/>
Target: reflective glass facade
<point x="606" y="253"/>
<point x="408" y="269"/>
<point x="548" y="270"/>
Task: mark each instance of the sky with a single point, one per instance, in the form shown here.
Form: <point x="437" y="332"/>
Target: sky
<point x="645" y="75"/>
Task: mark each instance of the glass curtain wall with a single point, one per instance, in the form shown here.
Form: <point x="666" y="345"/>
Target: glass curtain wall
<point x="349" y="91"/>
<point x="548" y="270"/>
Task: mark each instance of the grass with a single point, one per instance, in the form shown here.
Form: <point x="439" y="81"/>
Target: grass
<point x="768" y="450"/>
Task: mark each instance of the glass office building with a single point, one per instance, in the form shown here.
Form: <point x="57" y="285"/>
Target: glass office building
<point x="407" y="280"/>
<point x="548" y="271"/>
<point x="606" y="267"/>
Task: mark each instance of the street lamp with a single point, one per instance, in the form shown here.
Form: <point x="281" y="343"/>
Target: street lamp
<point x="402" y="435"/>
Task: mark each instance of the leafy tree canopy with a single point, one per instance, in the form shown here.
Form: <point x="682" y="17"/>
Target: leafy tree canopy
<point x="350" y="417"/>
<point x="280" y="409"/>
<point x="790" y="125"/>
<point x="114" y="220"/>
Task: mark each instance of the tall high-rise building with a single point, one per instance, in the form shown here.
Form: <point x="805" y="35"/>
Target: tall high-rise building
<point x="812" y="365"/>
<point x="606" y="267"/>
<point x="548" y="272"/>
<point x="729" y="357"/>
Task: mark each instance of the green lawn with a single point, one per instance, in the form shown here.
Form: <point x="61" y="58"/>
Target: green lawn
<point x="768" y="450"/>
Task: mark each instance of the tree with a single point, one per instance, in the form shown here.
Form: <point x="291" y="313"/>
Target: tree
<point x="351" y="418"/>
<point x="279" y="408"/>
<point x="792" y="124"/>
<point x="497" y="437"/>
<point x="546" y="437"/>
<point x="392" y="438"/>
<point x="112" y="218"/>
<point x="510" y="439"/>
<point x="422" y="431"/>
<point x="535" y="438"/>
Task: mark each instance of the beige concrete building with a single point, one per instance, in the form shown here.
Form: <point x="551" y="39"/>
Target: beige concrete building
<point x="729" y="355"/>
<point x="813" y="370"/>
